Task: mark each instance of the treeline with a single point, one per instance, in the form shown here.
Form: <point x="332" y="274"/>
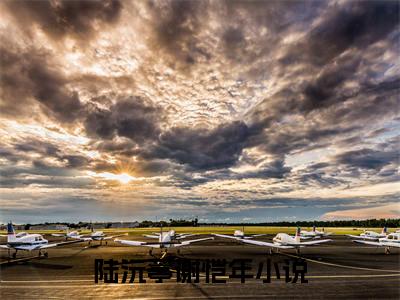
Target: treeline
<point x="171" y="223"/>
<point x="393" y="223"/>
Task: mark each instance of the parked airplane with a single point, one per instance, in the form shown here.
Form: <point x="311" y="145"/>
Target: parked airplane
<point x="99" y="236"/>
<point x="28" y="242"/>
<point x="370" y="235"/>
<point x="69" y="235"/>
<point x="173" y="234"/>
<point x="165" y="241"/>
<point x="284" y="241"/>
<point x="238" y="235"/>
<point x="314" y="233"/>
<point x="391" y="240"/>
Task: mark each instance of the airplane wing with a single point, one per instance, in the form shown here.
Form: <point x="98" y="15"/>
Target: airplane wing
<point x="363" y="237"/>
<point x="152" y="236"/>
<point x="386" y="244"/>
<point x="310" y="243"/>
<point x="185" y="243"/>
<point x="266" y="244"/>
<point x="368" y="243"/>
<point x="56" y="244"/>
<point x="114" y="236"/>
<point x="58" y="234"/>
<point x="136" y="243"/>
<point x="5" y="247"/>
<point x="183" y="236"/>
<point x="253" y="236"/>
<point x="226" y="236"/>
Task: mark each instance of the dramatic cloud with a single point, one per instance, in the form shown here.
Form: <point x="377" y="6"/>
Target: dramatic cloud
<point x="218" y="109"/>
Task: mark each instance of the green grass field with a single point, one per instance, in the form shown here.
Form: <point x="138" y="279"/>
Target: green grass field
<point x="219" y="229"/>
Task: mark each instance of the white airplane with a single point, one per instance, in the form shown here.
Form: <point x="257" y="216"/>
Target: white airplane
<point x="238" y="235"/>
<point x="28" y="242"/>
<point x="314" y="233"/>
<point x="391" y="240"/>
<point x="283" y="241"/>
<point x="99" y="236"/>
<point x="69" y="235"/>
<point x="172" y="233"/>
<point x="370" y="235"/>
<point x="165" y="241"/>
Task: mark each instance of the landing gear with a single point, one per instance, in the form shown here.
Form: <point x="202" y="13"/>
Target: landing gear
<point x="46" y="254"/>
<point x="298" y="251"/>
<point x="178" y="251"/>
<point x="15" y="254"/>
<point x="151" y="252"/>
<point x="270" y="251"/>
<point x="387" y="250"/>
<point x="106" y="243"/>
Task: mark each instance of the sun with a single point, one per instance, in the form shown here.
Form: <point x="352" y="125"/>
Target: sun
<point x="124" y="178"/>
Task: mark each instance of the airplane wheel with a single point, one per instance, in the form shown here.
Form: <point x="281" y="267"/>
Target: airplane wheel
<point x="178" y="251"/>
<point x="15" y="255"/>
<point x="106" y="243"/>
<point x="46" y="254"/>
<point x="151" y="251"/>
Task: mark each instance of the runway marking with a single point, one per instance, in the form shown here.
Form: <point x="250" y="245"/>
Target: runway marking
<point x="339" y="265"/>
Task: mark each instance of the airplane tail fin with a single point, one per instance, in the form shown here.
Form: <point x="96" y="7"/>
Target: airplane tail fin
<point x="384" y="230"/>
<point x="297" y="236"/>
<point x="11" y="236"/>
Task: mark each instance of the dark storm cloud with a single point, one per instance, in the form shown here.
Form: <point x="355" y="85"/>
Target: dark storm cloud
<point x="325" y="89"/>
<point x="319" y="179"/>
<point x="37" y="146"/>
<point x="202" y="149"/>
<point x="29" y="74"/>
<point x="63" y="17"/>
<point x="132" y="118"/>
<point x="368" y="158"/>
<point x="349" y="202"/>
<point x="176" y="24"/>
<point x="355" y="24"/>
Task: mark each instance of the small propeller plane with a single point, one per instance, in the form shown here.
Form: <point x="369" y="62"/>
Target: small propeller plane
<point x="28" y="242"/>
<point x="69" y="235"/>
<point x="370" y="235"/>
<point x="391" y="240"/>
<point x="314" y="233"/>
<point x="165" y="241"/>
<point x="238" y="235"/>
<point x="173" y="234"/>
<point x="284" y="241"/>
<point x="99" y="236"/>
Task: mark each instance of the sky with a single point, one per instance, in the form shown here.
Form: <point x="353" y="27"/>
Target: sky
<point x="229" y="111"/>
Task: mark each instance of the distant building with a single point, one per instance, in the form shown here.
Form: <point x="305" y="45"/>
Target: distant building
<point x="115" y="225"/>
<point x="124" y="224"/>
<point x="49" y="227"/>
<point x="16" y="227"/>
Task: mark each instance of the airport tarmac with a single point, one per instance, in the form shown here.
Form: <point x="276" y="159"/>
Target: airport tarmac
<point x="337" y="270"/>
